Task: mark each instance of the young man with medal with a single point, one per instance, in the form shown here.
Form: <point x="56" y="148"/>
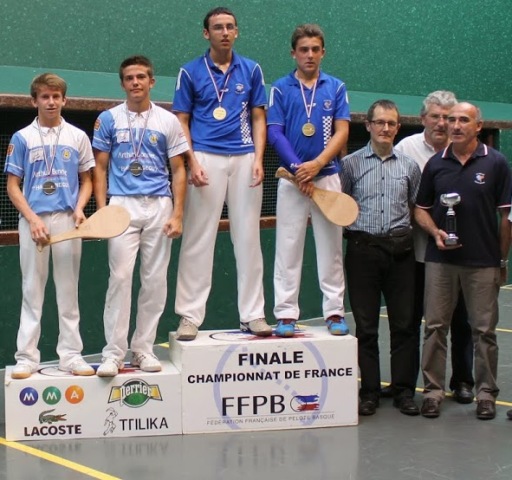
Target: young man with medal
<point x="136" y="142"/>
<point x="53" y="159"/>
<point x="308" y="123"/>
<point x="220" y="99"/>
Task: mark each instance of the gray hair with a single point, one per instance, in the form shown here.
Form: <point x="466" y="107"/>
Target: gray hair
<point x="443" y="98"/>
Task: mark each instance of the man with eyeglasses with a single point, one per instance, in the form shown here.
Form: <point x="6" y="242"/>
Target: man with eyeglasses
<point x="420" y="147"/>
<point x="380" y="256"/>
<point x="219" y="100"/>
<point x="478" y="180"/>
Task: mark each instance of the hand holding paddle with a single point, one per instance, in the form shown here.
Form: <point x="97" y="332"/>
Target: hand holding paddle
<point x="339" y="208"/>
<point x="107" y="222"/>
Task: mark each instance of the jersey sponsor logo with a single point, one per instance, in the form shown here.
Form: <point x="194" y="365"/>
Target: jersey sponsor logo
<point x="10" y="149"/>
<point x="480" y="178"/>
<point x="36" y="155"/>
<point x="123" y="136"/>
<point x="97" y="124"/>
<point x="239" y="88"/>
<point x="327" y="105"/>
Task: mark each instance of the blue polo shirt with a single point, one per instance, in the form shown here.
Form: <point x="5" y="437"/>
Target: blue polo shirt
<point x="196" y="95"/>
<point x="286" y="108"/>
<point x="484" y="183"/>
<point x="162" y="139"/>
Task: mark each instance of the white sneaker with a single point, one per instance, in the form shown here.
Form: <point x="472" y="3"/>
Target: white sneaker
<point x="257" y="327"/>
<point x="22" y="370"/>
<point x="79" y="367"/>
<point x="147" y="362"/>
<point x="109" y="367"/>
<point x="186" y="331"/>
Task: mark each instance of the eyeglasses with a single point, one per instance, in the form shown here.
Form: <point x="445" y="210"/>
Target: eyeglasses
<point x="220" y="28"/>
<point x="383" y="123"/>
<point x="436" y="117"/>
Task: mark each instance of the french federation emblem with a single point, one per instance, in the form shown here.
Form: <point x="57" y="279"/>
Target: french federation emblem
<point x="480" y="178"/>
<point x="305" y="403"/>
<point x="327" y="104"/>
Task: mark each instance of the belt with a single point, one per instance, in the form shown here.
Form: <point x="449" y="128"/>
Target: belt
<point x="396" y="232"/>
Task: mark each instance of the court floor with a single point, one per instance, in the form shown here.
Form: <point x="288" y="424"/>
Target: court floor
<point x="386" y="446"/>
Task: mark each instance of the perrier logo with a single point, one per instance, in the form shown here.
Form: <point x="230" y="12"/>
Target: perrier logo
<point x="134" y="393"/>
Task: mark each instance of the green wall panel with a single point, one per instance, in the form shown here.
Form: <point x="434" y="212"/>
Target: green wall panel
<point x="408" y="47"/>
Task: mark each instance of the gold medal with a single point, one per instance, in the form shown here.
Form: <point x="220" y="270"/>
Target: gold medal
<point x="49" y="188"/>
<point x="219" y="113"/>
<point x="308" y="129"/>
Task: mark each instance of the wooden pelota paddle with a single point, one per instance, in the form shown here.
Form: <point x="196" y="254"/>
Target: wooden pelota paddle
<point x="107" y="222"/>
<point x="339" y="208"/>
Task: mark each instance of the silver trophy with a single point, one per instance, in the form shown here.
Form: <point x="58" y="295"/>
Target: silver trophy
<point x="450" y="227"/>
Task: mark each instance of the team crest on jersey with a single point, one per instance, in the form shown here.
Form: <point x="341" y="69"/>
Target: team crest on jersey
<point x="239" y="88"/>
<point x="97" y="124"/>
<point x="327" y="104"/>
<point x="153" y="139"/>
<point x="10" y="149"/>
<point x="480" y="178"/>
<point x="66" y="154"/>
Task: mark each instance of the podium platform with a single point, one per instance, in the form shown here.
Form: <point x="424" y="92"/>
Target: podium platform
<point x="57" y="405"/>
<point x="234" y="381"/>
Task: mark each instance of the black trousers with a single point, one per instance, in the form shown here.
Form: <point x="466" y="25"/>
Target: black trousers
<point x="461" y="336"/>
<point x="374" y="270"/>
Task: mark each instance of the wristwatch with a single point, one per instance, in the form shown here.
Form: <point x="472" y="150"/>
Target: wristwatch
<point x="503" y="263"/>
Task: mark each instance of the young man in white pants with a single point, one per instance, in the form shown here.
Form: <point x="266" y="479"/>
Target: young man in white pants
<point x="135" y="142"/>
<point x="220" y="99"/>
<point x="308" y="122"/>
<point x="49" y="156"/>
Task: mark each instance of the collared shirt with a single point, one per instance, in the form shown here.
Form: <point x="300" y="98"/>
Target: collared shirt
<point x="383" y="190"/>
<point x="243" y="89"/>
<point x="417" y="147"/>
<point x="286" y="108"/>
<point x="26" y="159"/>
<point x="159" y="137"/>
<point x="484" y="184"/>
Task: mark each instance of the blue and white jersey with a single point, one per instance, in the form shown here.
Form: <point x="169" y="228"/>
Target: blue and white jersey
<point x="243" y="89"/>
<point x="156" y="139"/>
<point x="26" y="159"/>
<point x="286" y="108"/>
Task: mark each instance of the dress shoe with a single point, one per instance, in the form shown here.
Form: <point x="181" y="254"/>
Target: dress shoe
<point x="387" y="392"/>
<point x="509" y="414"/>
<point x="463" y="393"/>
<point x="430" y="408"/>
<point x="485" y="410"/>
<point x="368" y="407"/>
<point x="406" y="406"/>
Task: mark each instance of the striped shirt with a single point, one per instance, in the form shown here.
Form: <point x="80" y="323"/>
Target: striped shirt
<point x="384" y="190"/>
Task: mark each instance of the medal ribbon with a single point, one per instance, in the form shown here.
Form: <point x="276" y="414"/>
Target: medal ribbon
<point x="310" y="108"/>
<point x="219" y="94"/>
<point x="136" y="149"/>
<point x="53" y="148"/>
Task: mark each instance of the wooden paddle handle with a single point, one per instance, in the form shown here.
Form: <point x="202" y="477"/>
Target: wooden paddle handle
<point x="283" y="173"/>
